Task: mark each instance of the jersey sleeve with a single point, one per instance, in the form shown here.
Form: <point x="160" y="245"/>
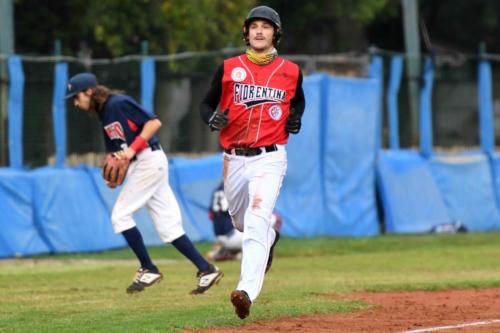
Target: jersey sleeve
<point x="298" y="102"/>
<point x="212" y="99"/>
<point x="133" y="111"/>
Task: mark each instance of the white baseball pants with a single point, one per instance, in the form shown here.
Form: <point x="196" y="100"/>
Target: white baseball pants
<point x="147" y="185"/>
<point x="252" y="185"/>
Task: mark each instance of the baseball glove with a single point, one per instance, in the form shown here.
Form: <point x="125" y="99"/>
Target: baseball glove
<point x="114" y="169"/>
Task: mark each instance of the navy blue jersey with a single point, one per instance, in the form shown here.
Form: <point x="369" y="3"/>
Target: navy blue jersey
<point x="219" y="212"/>
<point x="123" y="120"/>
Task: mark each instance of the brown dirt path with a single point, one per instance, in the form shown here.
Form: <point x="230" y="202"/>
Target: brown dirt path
<point x="396" y="312"/>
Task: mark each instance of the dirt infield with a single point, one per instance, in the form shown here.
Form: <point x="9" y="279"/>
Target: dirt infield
<point x="419" y="311"/>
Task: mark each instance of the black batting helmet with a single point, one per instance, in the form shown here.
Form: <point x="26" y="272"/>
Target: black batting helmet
<point x="265" y="13"/>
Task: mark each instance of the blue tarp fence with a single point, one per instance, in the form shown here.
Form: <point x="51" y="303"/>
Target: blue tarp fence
<point x="329" y="188"/>
<point x="335" y="168"/>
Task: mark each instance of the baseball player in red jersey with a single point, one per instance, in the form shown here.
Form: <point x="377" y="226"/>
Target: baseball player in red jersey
<point x="129" y="132"/>
<point x="260" y="101"/>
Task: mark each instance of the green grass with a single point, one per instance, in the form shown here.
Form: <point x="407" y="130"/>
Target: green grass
<point x="86" y="292"/>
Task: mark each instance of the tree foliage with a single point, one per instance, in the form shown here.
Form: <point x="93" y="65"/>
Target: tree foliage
<point x="329" y="26"/>
<point x="462" y="24"/>
<point x="117" y="27"/>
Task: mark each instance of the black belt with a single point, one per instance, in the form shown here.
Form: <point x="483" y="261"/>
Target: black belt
<point x="251" y="151"/>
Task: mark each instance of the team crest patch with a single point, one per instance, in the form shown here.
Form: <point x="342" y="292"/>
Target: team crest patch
<point x="115" y="131"/>
<point x="275" y="112"/>
<point x="70" y="86"/>
<point x="238" y="74"/>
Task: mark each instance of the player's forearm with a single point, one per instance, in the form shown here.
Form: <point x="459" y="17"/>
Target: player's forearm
<point x="141" y="141"/>
<point x="150" y="128"/>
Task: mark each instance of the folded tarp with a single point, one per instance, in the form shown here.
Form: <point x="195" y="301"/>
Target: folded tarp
<point x="409" y="194"/>
<point x="466" y="185"/>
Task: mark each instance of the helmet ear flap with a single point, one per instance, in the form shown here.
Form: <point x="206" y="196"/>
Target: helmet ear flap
<point x="277" y="36"/>
<point x="245" y="35"/>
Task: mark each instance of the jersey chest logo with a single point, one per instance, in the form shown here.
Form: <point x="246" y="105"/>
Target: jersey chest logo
<point x="238" y="74"/>
<point x="251" y="95"/>
<point x="115" y="131"/>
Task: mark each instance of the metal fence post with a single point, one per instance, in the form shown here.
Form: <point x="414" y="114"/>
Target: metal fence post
<point x="6" y="49"/>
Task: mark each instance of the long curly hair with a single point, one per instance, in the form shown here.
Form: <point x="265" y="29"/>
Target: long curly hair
<point x="100" y="95"/>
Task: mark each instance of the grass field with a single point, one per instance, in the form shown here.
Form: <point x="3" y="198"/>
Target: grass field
<point x="86" y="292"/>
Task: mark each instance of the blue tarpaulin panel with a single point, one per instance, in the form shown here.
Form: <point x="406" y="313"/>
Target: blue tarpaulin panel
<point x="329" y="188"/>
<point x="495" y="170"/>
<point x="376" y="72"/>
<point x="18" y="233"/>
<point x="148" y="81"/>
<point x="70" y="214"/>
<point x="392" y="100"/>
<point x="466" y="185"/>
<point x="485" y="102"/>
<point x="426" y="140"/>
<point x="193" y="182"/>
<point x="15" y="108"/>
<point x="351" y="145"/>
<point x="301" y="200"/>
<point x="410" y="197"/>
<point x="108" y="197"/>
<point x="59" y="112"/>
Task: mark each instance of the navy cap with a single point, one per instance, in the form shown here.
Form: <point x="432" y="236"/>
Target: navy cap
<point x="80" y="82"/>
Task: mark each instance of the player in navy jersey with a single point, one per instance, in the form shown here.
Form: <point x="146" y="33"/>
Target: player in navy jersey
<point x="129" y="132"/>
<point x="229" y="240"/>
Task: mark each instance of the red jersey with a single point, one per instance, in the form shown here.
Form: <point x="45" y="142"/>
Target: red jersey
<point x="258" y="98"/>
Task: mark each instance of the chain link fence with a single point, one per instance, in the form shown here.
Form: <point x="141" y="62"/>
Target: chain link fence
<point x="182" y="81"/>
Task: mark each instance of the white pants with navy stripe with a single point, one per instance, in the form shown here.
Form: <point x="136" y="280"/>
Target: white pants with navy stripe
<point x="147" y="185"/>
<point x="252" y="185"/>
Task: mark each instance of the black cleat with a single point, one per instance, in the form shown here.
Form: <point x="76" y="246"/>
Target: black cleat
<point x="207" y="279"/>
<point x="271" y="251"/>
<point x="241" y="303"/>
<point x="143" y="278"/>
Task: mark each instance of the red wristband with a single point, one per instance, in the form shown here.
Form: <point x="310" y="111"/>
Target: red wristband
<point x="139" y="144"/>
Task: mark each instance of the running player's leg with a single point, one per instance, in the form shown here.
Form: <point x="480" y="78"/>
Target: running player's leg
<point x="236" y="189"/>
<point x="264" y="187"/>
<point x="141" y="184"/>
<point x="166" y="215"/>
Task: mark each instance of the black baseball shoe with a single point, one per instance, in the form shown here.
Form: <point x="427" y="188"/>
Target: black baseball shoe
<point x="144" y="278"/>
<point x="241" y="303"/>
<point x="207" y="279"/>
<point x="224" y="254"/>
<point x="271" y="251"/>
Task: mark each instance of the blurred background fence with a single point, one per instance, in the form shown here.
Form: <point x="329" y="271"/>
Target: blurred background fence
<point x="373" y="165"/>
<point x="181" y="83"/>
<point x="183" y="79"/>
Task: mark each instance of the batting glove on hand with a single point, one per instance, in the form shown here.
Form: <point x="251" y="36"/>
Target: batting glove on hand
<point x="293" y="123"/>
<point x="218" y="120"/>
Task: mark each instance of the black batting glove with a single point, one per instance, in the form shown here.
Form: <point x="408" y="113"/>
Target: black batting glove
<point x="218" y="120"/>
<point x="293" y="123"/>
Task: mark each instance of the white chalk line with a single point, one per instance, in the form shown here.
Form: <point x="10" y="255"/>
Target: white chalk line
<point x="449" y="327"/>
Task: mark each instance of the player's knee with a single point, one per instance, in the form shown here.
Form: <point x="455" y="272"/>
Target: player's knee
<point x="260" y="213"/>
<point x="255" y="232"/>
<point x="121" y="222"/>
